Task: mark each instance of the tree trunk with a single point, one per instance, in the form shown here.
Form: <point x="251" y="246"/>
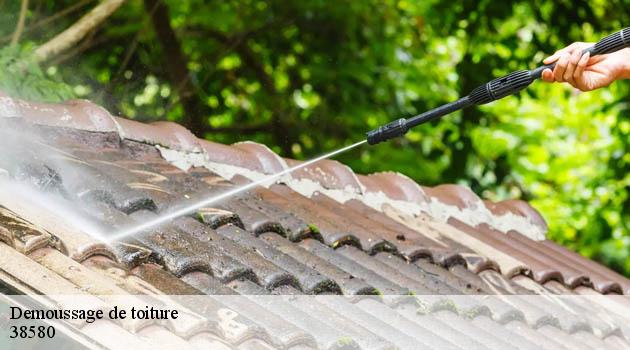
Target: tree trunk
<point x="176" y="66"/>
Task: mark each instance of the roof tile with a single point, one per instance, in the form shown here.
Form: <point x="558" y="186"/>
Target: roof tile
<point x="455" y="195"/>
<point x="477" y="262"/>
<point x="252" y="220"/>
<point x="324" y="230"/>
<point x="491" y="336"/>
<point x="604" y="280"/>
<point x="517" y="207"/>
<point x="270" y="162"/>
<point x="264" y="272"/>
<point x="164" y="134"/>
<point x="206" y="283"/>
<point x="547" y="343"/>
<point x="385" y="271"/>
<point x="32" y="275"/>
<point x="182" y="253"/>
<point x="335" y="228"/>
<point x="501" y="284"/>
<point x="325" y="335"/>
<point x="572" y="276"/>
<point x="254" y="344"/>
<point x="567" y="341"/>
<point x="368" y="309"/>
<point x="438" y="279"/>
<point x="308" y="279"/>
<point x="281" y="333"/>
<point x="160" y="337"/>
<point x="121" y="275"/>
<point x="79" y="245"/>
<point x="23" y="236"/>
<point x="413" y="244"/>
<point x="113" y="336"/>
<point x="484" y="324"/>
<point x="384" y="285"/>
<point x="395" y="186"/>
<point x="247" y="287"/>
<point x="224" y="154"/>
<point x="76" y="114"/>
<point x="163" y="280"/>
<point x="329" y="174"/>
<point x="338" y="320"/>
<point x="615" y="342"/>
<point x="540" y="270"/>
<point x="215" y="217"/>
<point x="88" y="280"/>
<point x="348" y="283"/>
<point x="207" y="340"/>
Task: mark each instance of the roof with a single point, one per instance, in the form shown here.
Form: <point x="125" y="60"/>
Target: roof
<point x="320" y="230"/>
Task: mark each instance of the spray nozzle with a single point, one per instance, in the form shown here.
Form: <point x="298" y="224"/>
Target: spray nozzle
<point x="387" y="131"/>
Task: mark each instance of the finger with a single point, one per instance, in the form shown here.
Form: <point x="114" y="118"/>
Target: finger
<point x="561" y="67"/>
<point x="578" y="75"/>
<point x="596" y="59"/>
<point x="547" y="75"/>
<point x="573" y="61"/>
<point x="553" y="58"/>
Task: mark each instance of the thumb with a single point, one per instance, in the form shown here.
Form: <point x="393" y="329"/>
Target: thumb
<point x="547" y="75"/>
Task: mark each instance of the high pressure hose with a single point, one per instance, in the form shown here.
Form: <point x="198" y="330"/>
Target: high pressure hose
<point x="492" y="91"/>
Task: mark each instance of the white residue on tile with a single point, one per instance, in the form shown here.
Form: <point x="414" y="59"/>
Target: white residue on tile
<point x="306" y="187"/>
<point x="186" y="160"/>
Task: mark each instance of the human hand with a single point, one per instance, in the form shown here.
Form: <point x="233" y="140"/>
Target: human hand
<point x="584" y="72"/>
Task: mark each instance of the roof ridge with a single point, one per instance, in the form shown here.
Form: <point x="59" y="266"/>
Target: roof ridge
<point x="329" y="177"/>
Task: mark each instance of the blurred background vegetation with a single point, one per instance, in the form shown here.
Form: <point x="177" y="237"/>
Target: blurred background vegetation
<point x="306" y="77"/>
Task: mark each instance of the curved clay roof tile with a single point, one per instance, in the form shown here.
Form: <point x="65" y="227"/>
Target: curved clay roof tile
<point x="330" y="174"/>
<point x="517" y="207"/>
<point x="224" y="154"/>
<point x="166" y="134"/>
<point x="456" y="195"/>
<point x="177" y="135"/>
<point x="77" y="114"/>
<point x="270" y="162"/>
<point x="395" y="186"/>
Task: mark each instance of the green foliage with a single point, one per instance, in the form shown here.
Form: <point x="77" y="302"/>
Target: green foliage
<point x="307" y="77"/>
<point x="21" y="76"/>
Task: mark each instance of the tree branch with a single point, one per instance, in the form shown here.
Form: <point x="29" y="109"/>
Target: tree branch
<point x="20" y="24"/>
<point x="68" y="10"/>
<point x="77" y="31"/>
<point x="85" y="45"/>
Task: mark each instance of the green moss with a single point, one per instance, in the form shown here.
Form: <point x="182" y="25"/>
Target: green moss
<point x="313" y="228"/>
<point x="344" y="341"/>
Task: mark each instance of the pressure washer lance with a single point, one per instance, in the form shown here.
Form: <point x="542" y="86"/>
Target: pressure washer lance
<point x="492" y="91"/>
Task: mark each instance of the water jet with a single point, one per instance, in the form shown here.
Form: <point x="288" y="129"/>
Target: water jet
<point x="191" y="208"/>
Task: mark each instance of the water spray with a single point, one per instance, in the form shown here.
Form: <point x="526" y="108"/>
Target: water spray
<point x="189" y="209"/>
<point x="492" y="91"/>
